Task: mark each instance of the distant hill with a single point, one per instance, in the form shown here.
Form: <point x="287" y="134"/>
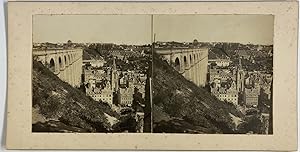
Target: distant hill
<point x="91" y="53"/>
<point x="59" y="107"/>
<point x="217" y="53"/>
<point x="181" y="106"/>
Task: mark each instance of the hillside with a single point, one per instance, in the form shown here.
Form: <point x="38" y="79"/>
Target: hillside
<point x="217" y="53"/>
<point x="90" y="53"/>
<point x="59" y="107"/>
<point x="181" y="106"/>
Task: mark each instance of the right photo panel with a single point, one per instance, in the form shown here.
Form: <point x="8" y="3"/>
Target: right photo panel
<point x="212" y="74"/>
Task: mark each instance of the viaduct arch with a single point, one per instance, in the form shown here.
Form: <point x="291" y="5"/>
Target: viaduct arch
<point x="190" y="62"/>
<point x="65" y="63"/>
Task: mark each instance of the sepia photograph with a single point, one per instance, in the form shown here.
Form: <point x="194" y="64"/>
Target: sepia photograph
<point x="152" y="76"/>
<point x="90" y="72"/>
<point x="210" y="74"/>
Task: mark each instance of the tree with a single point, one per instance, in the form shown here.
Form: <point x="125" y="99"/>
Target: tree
<point x="69" y="43"/>
<point x="251" y="124"/>
<point x="195" y="42"/>
<point x="137" y="99"/>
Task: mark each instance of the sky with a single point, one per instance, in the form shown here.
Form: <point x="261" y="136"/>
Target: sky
<point x="120" y="29"/>
<point x="255" y="29"/>
<point x="136" y="29"/>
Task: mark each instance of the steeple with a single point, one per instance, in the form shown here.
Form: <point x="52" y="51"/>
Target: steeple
<point x="240" y="77"/>
<point x="114" y="67"/>
<point x="114" y="77"/>
<point x="240" y="63"/>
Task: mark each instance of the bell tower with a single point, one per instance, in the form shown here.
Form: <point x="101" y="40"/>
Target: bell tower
<point x="240" y="77"/>
<point x="114" y="77"/>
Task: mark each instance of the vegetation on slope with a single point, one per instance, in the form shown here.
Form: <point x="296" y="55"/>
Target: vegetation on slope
<point x="59" y="107"/>
<point x="91" y="53"/>
<point x="184" y="107"/>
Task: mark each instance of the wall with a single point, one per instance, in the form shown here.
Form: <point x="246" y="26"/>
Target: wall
<point x="190" y="62"/>
<point x="65" y="63"/>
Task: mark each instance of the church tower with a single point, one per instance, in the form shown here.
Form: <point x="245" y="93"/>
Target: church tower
<point x="114" y="77"/>
<point x="240" y="77"/>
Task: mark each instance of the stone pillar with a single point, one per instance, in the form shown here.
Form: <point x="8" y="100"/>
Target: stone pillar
<point x="205" y="70"/>
<point x="71" y="72"/>
<point x="181" y="65"/>
<point x="196" y="73"/>
<point x="56" y="64"/>
<point x="187" y="69"/>
<point x="80" y="68"/>
<point x="68" y="73"/>
<point x="201" y="73"/>
<point x="192" y="73"/>
<point x="62" y="69"/>
<point x="74" y="72"/>
<point x="189" y="73"/>
<point x="77" y="73"/>
<point x="200" y="68"/>
<point x="62" y="74"/>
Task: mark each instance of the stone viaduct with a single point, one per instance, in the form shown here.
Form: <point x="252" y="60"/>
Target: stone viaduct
<point x="190" y="62"/>
<point x="65" y="63"/>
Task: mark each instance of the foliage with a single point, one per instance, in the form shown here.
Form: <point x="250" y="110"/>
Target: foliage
<point x="252" y="124"/>
<point x="59" y="101"/>
<point x="183" y="100"/>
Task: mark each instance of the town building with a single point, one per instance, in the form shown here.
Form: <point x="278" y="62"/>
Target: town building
<point x="226" y="94"/>
<point x="251" y="96"/>
<point x="99" y="85"/>
<point x="221" y="74"/>
<point x="98" y="92"/>
<point x="222" y="62"/>
<point x="240" y="77"/>
<point x="94" y="63"/>
<point x="126" y="96"/>
<point x="97" y="74"/>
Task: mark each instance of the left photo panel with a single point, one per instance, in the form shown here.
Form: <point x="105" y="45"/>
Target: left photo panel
<point x="91" y="73"/>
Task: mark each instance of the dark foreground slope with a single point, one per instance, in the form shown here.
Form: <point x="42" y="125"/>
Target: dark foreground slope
<point x="59" y="107"/>
<point x="180" y="106"/>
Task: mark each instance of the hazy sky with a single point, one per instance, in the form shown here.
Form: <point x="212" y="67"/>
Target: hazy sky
<point x="126" y="29"/>
<point x="256" y="29"/>
<point x="136" y="29"/>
